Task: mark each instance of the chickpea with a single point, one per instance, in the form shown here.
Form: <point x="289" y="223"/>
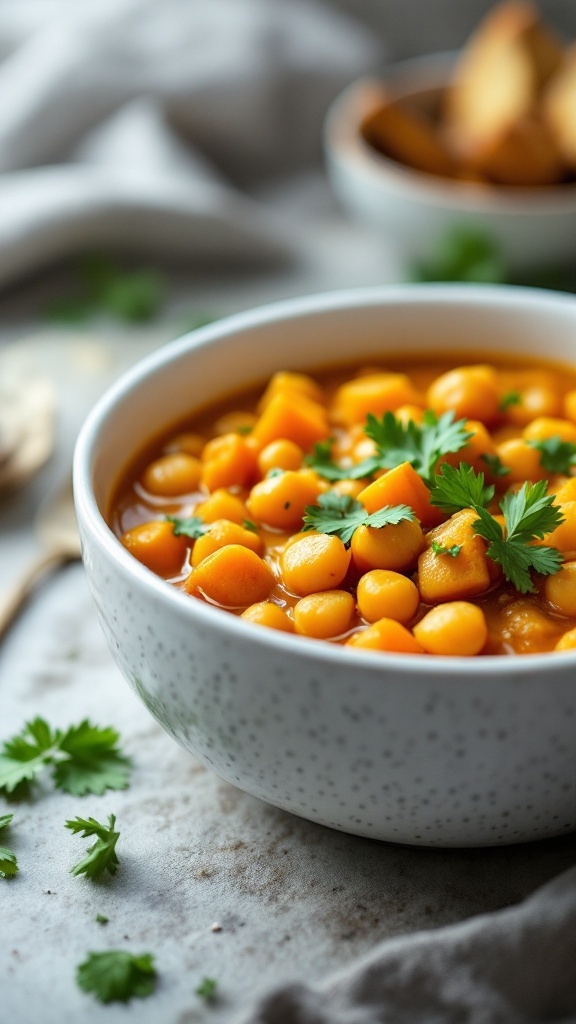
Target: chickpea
<point x="454" y="628"/>
<point x="317" y="561"/>
<point x="389" y="547"/>
<point x="560" y="590"/>
<point x="382" y="593"/>
<point x="172" y="475"/>
<point x="325" y="615"/>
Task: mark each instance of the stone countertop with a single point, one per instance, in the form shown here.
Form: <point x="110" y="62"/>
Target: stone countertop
<point x="211" y="881"/>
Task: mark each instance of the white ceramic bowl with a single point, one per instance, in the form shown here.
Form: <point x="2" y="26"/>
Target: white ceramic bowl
<point x="533" y="228"/>
<point x="424" y="750"/>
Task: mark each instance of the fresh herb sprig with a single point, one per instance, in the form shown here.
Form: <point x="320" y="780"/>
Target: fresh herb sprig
<point x="8" y="860"/>
<point x="342" y="515"/>
<point x="117" y="976"/>
<point x="420" y="444"/>
<point x="460" y="487"/>
<point x="529" y="514"/>
<point x="102" y="855"/>
<point x="84" y="758"/>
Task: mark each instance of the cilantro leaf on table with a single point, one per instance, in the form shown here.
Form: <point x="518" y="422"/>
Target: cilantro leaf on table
<point x="102" y="855"/>
<point x="105" y="287"/>
<point x="117" y="976"/>
<point x="84" y="759"/>
<point x="455" y="488"/>
<point x="529" y="514"/>
<point x="188" y="526"/>
<point x="207" y="989"/>
<point x="8" y="860"/>
<point x="556" y="455"/>
<point x="342" y="515"/>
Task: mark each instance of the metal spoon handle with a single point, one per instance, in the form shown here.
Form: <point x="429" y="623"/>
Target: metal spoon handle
<point x="15" y="598"/>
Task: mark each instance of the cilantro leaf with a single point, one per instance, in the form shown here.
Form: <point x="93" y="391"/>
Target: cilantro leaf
<point x="556" y="455"/>
<point x="420" y="444"/>
<point x="440" y="549"/>
<point x="207" y="989"/>
<point x="342" y="515"/>
<point x="458" y="488"/>
<point x="24" y="756"/>
<point x="85" y="758"/>
<point x="8" y="861"/>
<point x="102" y="855"/>
<point x="117" y="976"/>
<point x="188" y="526"/>
<point x="529" y="514"/>
<point x="104" y="287"/>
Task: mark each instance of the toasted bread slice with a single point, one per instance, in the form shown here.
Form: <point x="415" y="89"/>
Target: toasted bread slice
<point x="525" y="155"/>
<point x="559" y="108"/>
<point x="498" y="77"/>
<point x="404" y="133"/>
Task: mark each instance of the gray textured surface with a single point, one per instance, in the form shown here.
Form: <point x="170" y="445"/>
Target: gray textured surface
<point x="294" y="900"/>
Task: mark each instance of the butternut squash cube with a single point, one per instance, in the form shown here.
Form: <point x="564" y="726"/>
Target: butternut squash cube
<point x="443" y="577"/>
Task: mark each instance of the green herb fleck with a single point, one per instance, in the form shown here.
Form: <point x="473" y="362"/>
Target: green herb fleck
<point x="495" y="465"/>
<point x="439" y="549"/>
<point x="509" y="399"/>
<point x="189" y="526"/>
<point x="101" y="919"/>
<point x="462" y="254"/>
<point x="556" y="455"/>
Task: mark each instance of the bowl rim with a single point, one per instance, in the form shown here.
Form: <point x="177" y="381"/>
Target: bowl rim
<point x="510" y="296"/>
<point x="346" y="148"/>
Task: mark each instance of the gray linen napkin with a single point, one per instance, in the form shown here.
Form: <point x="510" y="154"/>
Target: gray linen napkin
<point x="516" y="966"/>
<point x="141" y="124"/>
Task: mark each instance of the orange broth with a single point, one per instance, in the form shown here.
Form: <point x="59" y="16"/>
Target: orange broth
<point x="504" y="405"/>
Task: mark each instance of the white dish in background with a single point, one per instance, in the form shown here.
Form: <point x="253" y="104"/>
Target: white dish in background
<point x="533" y="228"/>
<point x="430" y="751"/>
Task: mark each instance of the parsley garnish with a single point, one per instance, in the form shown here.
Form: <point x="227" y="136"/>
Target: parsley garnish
<point x="528" y="514"/>
<point x="342" y="515"/>
<point x="439" y="549"/>
<point x="117" y="976"/>
<point x="420" y="444"/>
<point x="84" y="758"/>
<point x="207" y="989"/>
<point x="556" y="455"/>
<point x="102" y="856"/>
<point x="189" y="526"/>
<point x="8" y="861"/>
<point x="249" y="525"/>
<point x="458" y="488"/>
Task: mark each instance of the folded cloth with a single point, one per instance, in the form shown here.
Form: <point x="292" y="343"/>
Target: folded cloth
<point x="142" y="124"/>
<point x="516" y="966"/>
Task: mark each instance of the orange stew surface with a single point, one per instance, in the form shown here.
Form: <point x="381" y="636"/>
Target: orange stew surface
<point x="422" y="508"/>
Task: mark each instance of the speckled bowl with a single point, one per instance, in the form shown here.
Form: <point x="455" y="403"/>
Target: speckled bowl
<point x="533" y="228"/>
<point x="430" y="751"/>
